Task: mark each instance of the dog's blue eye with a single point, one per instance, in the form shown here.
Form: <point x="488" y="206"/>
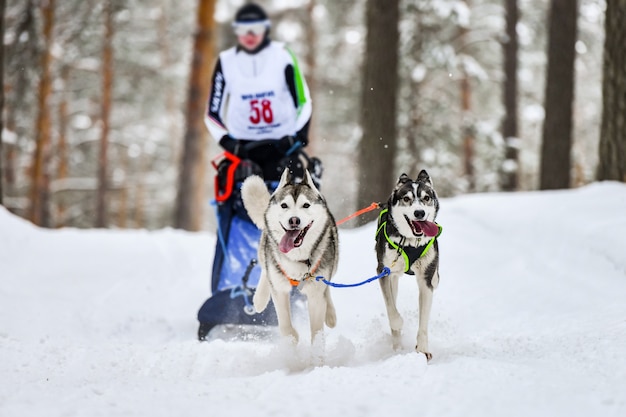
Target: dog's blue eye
<point x="284" y="205"/>
<point x="306" y="205"/>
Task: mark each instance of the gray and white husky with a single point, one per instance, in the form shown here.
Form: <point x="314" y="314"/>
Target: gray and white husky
<point x="299" y="241"/>
<point x="406" y="242"/>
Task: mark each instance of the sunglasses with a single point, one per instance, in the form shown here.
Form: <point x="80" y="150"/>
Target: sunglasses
<point x="256" y="28"/>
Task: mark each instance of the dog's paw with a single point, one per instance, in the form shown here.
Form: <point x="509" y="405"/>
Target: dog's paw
<point x="261" y="297"/>
<point x="331" y="317"/>
<point x="259" y="304"/>
<point x="396" y="340"/>
<point x="428" y="355"/>
<point x="290" y="334"/>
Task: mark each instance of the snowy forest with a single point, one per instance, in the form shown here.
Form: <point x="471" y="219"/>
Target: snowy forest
<point x="102" y="101"/>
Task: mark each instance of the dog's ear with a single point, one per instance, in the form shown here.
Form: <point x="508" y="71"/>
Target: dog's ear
<point x="285" y="179"/>
<point x="307" y="180"/>
<point x="402" y="180"/>
<point x="424" y="178"/>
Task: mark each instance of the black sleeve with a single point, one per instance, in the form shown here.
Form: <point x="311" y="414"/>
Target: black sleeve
<point x="216" y="98"/>
<point x="290" y="78"/>
<point x="303" y="134"/>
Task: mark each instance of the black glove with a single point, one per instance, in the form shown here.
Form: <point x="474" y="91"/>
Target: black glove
<point x="233" y="146"/>
<point x="301" y="137"/>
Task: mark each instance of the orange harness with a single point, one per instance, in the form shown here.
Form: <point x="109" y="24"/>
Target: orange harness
<point x="307" y="276"/>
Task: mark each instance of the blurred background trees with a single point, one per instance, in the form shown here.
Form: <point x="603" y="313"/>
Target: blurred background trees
<point x="457" y="96"/>
<point x="510" y="45"/>
<point x="559" y="97"/>
<point x="190" y="196"/>
<point x="612" y="165"/>
<point x="2" y="8"/>
<point x="378" y="99"/>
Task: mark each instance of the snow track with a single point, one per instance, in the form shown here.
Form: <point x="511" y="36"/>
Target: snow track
<point x="529" y="319"/>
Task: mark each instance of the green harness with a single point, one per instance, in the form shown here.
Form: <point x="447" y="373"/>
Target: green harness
<point x="414" y="253"/>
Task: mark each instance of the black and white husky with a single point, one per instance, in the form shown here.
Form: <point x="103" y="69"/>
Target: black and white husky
<point x="299" y="241"/>
<point x="406" y="242"/>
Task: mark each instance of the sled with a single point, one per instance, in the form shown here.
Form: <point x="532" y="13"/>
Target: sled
<point x="235" y="273"/>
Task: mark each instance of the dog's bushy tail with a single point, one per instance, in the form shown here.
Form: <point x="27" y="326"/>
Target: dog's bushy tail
<point x="255" y="198"/>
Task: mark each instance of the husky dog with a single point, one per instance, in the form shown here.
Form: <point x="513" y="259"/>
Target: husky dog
<point x="406" y="243"/>
<point x="298" y="242"/>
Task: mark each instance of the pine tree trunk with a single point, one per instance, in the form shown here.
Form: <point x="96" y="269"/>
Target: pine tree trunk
<point x="467" y="122"/>
<point x="557" y="128"/>
<point x="510" y="169"/>
<point x="171" y="103"/>
<point x="107" y="87"/>
<point x="122" y="208"/>
<point x="62" y="151"/>
<point x="10" y="155"/>
<point x="612" y="164"/>
<point x="378" y="104"/>
<point x="42" y="136"/>
<point x="140" y="199"/>
<point x="190" y="198"/>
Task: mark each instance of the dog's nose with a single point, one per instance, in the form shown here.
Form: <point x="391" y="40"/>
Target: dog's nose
<point x="419" y="214"/>
<point x="294" y="222"/>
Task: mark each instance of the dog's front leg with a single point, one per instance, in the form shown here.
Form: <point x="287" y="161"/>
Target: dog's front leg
<point x="389" y="286"/>
<point x="317" y="311"/>
<point x="282" y="304"/>
<point x="331" y="314"/>
<point x="262" y="294"/>
<point x="425" y="304"/>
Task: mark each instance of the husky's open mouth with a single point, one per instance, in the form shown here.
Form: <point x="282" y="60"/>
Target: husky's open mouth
<point x="293" y="238"/>
<point x="423" y="227"/>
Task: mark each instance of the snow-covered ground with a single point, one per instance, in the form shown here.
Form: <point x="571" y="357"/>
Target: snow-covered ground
<point x="529" y="320"/>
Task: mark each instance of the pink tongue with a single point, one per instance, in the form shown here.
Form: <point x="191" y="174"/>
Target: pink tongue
<point x="287" y="242"/>
<point x="430" y="229"/>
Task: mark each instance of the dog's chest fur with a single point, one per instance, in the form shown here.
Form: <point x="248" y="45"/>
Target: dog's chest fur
<point x="420" y="258"/>
<point x="320" y="260"/>
<point x="388" y="232"/>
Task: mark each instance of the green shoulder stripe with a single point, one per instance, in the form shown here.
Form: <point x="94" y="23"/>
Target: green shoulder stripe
<point x="298" y="79"/>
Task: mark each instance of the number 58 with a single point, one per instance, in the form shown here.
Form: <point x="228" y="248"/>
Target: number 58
<point x="261" y="110"/>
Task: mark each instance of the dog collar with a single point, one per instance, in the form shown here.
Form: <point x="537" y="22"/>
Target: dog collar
<point x="307" y="275"/>
<point x="414" y="253"/>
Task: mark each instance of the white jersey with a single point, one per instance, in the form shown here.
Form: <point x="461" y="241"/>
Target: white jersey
<point x="251" y="98"/>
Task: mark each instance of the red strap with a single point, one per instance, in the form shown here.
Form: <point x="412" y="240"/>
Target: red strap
<point x="371" y="207"/>
<point x="221" y="196"/>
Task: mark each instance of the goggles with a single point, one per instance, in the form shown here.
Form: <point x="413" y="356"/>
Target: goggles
<point x="256" y="28"/>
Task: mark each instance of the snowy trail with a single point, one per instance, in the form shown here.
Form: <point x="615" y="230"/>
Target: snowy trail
<point x="542" y="320"/>
<point x="529" y="319"/>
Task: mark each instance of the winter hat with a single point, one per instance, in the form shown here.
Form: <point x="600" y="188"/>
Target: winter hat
<point x="250" y="13"/>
